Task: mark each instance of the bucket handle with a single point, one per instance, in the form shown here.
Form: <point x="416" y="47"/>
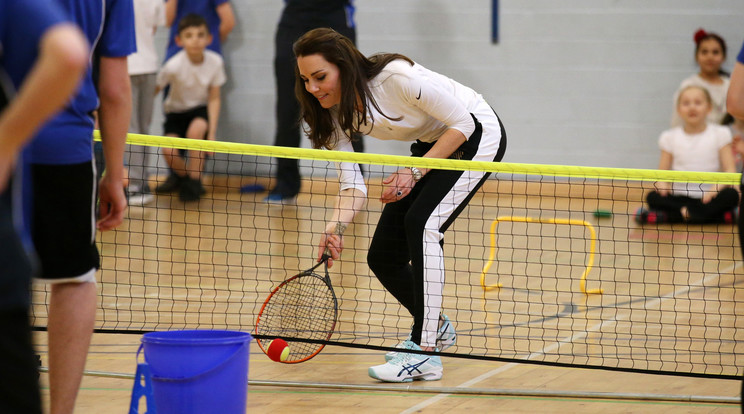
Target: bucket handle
<point x="139" y="350"/>
<point x="193" y="377"/>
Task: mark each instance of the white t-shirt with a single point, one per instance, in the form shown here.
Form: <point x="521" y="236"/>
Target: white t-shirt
<point x="190" y="82"/>
<point x="428" y="104"/>
<point x="694" y="152"/>
<point x="148" y="14"/>
<point x="717" y="95"/>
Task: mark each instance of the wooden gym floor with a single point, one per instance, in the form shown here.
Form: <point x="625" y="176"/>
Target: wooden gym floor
<point x="511" y="388"/>
<point x="115" y="353"/>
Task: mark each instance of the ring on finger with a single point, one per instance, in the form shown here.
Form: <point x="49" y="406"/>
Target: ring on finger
<point x="400" y="193"/>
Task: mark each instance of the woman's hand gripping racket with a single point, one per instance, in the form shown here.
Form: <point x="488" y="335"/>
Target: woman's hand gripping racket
<point x="302" y="307"/>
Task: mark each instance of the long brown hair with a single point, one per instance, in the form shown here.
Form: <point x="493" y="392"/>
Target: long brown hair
<point x="355" y="70"/>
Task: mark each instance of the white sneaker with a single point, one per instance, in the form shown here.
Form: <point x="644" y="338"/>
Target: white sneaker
<point x="139" y="196"/>
<point x="406" y="367"/>
<point x="446" y="337"/>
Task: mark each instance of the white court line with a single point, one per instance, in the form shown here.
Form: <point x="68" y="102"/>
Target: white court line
<point x="433" y="400"/>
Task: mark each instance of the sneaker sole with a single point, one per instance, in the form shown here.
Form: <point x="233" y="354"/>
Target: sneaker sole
<point x="431" y="375"/>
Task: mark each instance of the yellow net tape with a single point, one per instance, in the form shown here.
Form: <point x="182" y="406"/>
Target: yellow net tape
<point x="629" y="174"/>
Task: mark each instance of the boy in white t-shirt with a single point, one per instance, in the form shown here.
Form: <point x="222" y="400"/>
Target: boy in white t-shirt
<point x="143" y="69"/>
<point x="192" y="108"/>
<point x="694" y="146"/>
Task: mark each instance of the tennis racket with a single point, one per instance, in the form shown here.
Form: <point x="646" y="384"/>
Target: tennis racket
<point x="301" y="307"/>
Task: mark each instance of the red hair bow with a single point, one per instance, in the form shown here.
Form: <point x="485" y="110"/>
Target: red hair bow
<point x="699" y="35"/>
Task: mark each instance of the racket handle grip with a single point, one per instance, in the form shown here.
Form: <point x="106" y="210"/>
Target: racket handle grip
<point x="326" y="255"/>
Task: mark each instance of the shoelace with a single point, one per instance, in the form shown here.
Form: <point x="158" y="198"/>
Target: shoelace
<point x="403" y="356"/>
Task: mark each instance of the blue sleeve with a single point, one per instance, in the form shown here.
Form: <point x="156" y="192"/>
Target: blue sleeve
<point x="32" y="18"/>
<point x="740" y="58"/>
<point x="22" y="25"/>
<point x="118" y="38"/>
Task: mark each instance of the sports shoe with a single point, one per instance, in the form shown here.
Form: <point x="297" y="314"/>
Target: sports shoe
<point x="171" y="184"/>
<point x="406" y="367"/>
<point x="446" y="337"/>
<point x="139" y="196"/>
<point x="729" y="216"/>
<point x="643" y="216"/>
<point x="278" y="198"/>
<point x="191" y="189"/>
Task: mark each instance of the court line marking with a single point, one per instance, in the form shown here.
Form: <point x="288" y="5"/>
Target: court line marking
<point x="672" y="235"/>
<point x="433" y="400"/>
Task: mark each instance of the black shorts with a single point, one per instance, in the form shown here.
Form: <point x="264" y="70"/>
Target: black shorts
<point x="177" y="123"/>
<point x="64" y="221"/>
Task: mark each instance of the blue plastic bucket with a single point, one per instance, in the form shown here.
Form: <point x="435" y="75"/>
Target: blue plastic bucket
<point x="198" y="371"/>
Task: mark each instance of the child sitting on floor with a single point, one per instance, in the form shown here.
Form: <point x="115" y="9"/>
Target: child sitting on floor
<point x="694" y="146"/>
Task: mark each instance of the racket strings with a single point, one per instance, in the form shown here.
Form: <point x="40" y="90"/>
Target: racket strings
<point x="302" y="308"/>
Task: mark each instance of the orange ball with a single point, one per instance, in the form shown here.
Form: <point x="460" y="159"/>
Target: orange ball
<point x="278" y="350"/>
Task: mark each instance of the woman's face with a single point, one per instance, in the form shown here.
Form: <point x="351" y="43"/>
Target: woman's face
<point x="321" y="79"/>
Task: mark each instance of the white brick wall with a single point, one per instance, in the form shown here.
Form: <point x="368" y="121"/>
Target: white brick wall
<point x="577" y="82"/>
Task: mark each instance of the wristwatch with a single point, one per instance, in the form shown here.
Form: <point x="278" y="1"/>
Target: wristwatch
<point x="416" y="173"/>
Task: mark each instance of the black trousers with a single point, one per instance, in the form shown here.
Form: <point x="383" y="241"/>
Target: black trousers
<point x="406" y="254"/>
<point x="711" y="212"/>
<point x="291" y="27"/>
<point x="19" y="382"/>
<point x="19" y="375"/>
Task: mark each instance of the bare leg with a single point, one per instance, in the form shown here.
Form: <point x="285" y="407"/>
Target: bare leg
<point x="195" y="164"/>
<point x="72" y="313"/>
<point x="174" y="159"/>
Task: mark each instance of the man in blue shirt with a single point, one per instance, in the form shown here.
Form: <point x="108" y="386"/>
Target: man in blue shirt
<point x="64" y="189"/>
<point x="42" y="57"/>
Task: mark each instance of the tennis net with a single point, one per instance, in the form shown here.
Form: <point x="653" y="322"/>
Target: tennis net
<point x="547" y="265"/>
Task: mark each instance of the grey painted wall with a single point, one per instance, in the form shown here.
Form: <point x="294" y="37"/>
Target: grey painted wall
<point x="576" y="82"/>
